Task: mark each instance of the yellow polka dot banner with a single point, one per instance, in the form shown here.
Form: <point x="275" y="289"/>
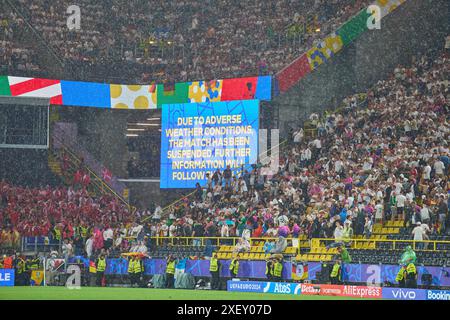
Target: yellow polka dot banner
<point x="132" y="97"/>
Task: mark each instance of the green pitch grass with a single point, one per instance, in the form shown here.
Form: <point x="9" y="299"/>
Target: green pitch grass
<point x="109" y="293"/>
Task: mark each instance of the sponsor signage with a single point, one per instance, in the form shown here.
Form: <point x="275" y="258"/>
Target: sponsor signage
<point x="404" y="294"/>
<point x="438" y="295"/>
<point x="362" y="291"/>
<point x="343" y="291"/>
<point x="264" y="287"/>
<point x="246" y="286"/>
<point x="284" y="288"/>
<point x="6" y="277"/>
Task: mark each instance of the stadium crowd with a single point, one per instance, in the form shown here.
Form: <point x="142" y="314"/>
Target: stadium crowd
<point x="15" y="56"/>
<point x="182" y="40"/>
<point x="385" y="158"/>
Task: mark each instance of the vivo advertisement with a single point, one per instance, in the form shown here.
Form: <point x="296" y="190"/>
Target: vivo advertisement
<point x="404" y="294"/>
<point x="6" y="277"/>
<point x="199" y="138"/>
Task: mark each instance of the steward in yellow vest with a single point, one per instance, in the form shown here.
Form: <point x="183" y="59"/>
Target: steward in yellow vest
<point x="411" y="276"/>
<point x="34" y="263"/>
<point x="84" y="232"/>
<point x="234" y="267"/>
<point x="401" y="277"/>
<point x="335" y="275"/>
<point x="170" y="271"/>
<point x="137" y="270"/>
<point x="131" y="263"/>
<point x="20" y="270"/>
<point x="269" y="269"/>
<point x="57" y="233"/>
<point x="101" y="267"/>
<point x="277" y="270"/>
<point x="214" y="269"/>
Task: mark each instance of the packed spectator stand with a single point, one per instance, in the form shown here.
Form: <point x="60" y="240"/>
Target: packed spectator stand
<point x="376" y="169"/>
<point x="143" y="41"/>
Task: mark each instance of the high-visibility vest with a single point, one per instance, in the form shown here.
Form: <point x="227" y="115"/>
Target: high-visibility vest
<point x="21" y="266"/>
<point x="83" y="231"/>
<point x="411" y="269"/>
<point x="137" y="266"/>
<point x="234" y="266"/>
<point x="335" y="270"/>
<point x="92" y="267"/>
<point x="57" y="233"/>
<point x="34" y="264"/>
<point x="277" y="269"/>
<point x="213" y="265"/>
<point x="131" y="266"/>
<point x="400" y="275"/>
<point x="170" y="267"/>
<point x="101" y="265"/>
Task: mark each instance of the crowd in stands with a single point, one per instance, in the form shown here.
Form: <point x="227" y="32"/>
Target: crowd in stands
<point x="144" y="149"/>
<point x="386" y="159"/>
<point x="183" y="40"/>
<point x="15" y="56"/>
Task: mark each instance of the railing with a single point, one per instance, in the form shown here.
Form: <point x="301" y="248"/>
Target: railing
<point x="426" y="245"/>
<point x="40" y="244"/>
<point x="217" y="241"/>
<point x="387" y="244"/>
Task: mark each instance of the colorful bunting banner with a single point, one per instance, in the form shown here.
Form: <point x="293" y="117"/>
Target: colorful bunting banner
<point x="4" y="86"/>
<point x="86" y="94"/>
<point x="132" y="97"/>
<point x="36" y="88"/>
<point x="332" y="44"/>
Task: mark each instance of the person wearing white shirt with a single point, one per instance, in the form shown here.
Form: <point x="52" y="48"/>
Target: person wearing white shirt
<point x="427" y="172"/>
<point x="379" y="208"/>
<point x="224" y="231"/>
<point x="418" y="232"/>
<point x="298" y="136"/>
<point x="338" y="166"/>
<point x="338" y="232"/>
<point x="89" y="246"/>
<point x="439" y="167"/>
<point x="401" y="199"/>
<point x="158" y="212"/>
<point x="425" y="214"/>
<point x="172" y="230"/>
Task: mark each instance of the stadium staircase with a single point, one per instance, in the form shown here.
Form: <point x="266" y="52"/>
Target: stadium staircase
<point x="64" y="144"/>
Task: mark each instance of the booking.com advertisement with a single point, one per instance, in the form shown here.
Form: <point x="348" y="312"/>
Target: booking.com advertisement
<point x="199" y="138"/>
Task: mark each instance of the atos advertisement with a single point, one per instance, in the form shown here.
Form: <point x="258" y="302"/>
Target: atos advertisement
<point x="404" y="294"/>
<point x="6" y="277"/>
